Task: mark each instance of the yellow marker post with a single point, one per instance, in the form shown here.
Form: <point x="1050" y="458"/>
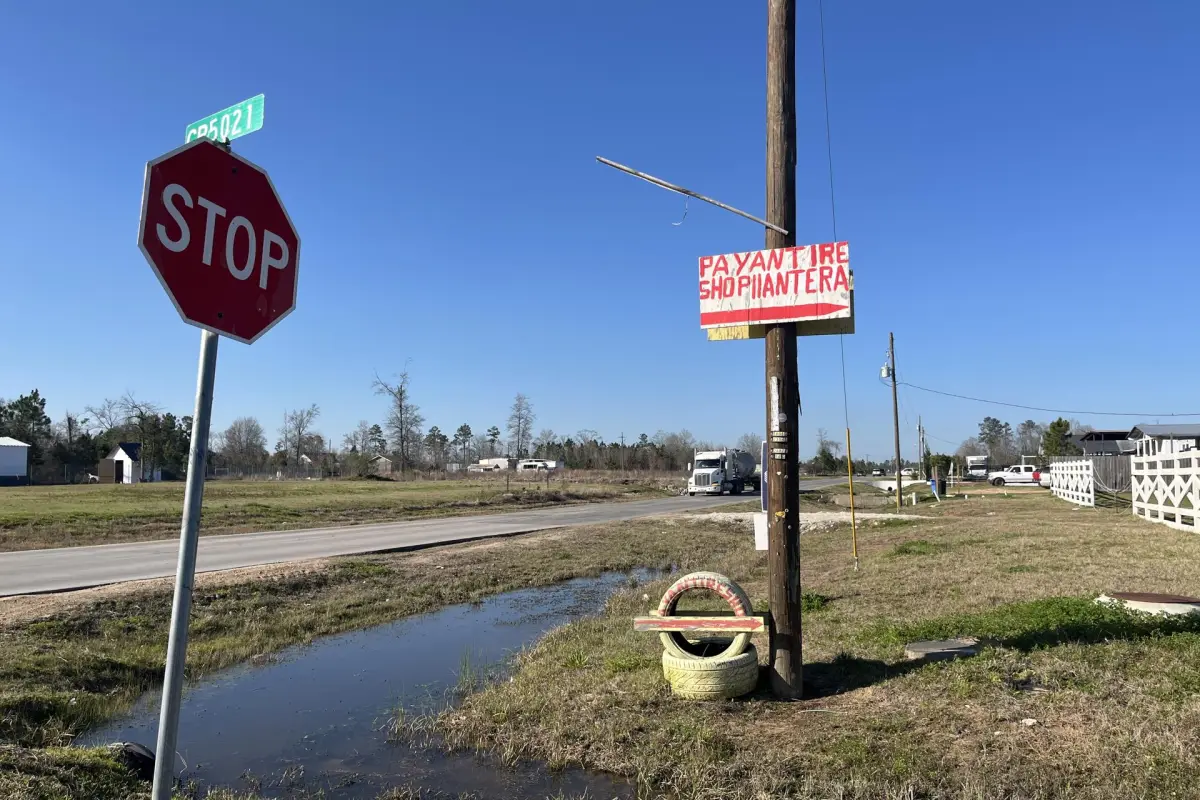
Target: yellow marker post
<point x="853" y="525"/>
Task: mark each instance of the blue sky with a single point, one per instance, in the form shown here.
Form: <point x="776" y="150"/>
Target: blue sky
<point x="1016" y="181"/>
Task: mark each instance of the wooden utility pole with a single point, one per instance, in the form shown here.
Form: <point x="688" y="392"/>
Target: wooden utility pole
<point x="783" y="385"/>
<point x="895" y="412"/>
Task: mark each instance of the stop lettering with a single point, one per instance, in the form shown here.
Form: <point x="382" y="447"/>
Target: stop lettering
<point x="219" y="239"/>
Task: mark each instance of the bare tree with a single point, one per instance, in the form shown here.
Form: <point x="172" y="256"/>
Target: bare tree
<point x="297" y="428"/>
<point x="107" y="416"/>
<point x="545" y="442"/>
<point x="520" y="425"/>
<point x="244" y="444"/>
<point x="750" y="442"/>
<point x="142" y="420"/>
<point x="1029" y="437"/>
<point x="971" y="447"/>
<point x="824" y="442"/>
<point x="404" y="420"/>
<point x="480" y="444"/>
<point x="359" y="439"/>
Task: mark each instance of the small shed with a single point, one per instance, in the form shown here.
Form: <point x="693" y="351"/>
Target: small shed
<point x="123" y="465"/>
<point x="380" y="465"/>
<point x="14" y="461"/>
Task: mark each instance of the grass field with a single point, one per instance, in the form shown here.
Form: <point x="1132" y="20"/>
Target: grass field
<point x="64" y="516"/>
<point x="1068" y="699"/>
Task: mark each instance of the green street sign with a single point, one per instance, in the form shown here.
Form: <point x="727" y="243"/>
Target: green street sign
<point x="229" y="123"/>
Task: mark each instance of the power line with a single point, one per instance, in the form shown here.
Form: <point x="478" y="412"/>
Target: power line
<point x="832" y="200"/>
<point x="1050" y="410"/>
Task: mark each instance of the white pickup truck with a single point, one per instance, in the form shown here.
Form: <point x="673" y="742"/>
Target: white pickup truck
<point x="1026" y="474"/>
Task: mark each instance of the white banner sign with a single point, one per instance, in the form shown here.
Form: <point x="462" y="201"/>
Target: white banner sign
<point x="811" y="282"/>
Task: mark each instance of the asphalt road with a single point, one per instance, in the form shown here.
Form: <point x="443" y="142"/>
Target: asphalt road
<point x="34" y="571"/>
<point x="59" y="569"/>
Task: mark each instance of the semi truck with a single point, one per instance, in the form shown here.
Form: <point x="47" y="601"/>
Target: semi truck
<point x="721" y="471"/>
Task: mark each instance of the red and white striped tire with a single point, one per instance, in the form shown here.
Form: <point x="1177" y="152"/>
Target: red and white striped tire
<point x="703" y="646"/>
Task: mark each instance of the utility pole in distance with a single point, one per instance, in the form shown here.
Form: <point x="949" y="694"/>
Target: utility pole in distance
<point x="895" y="411"/>
<point x="783" y="384"/>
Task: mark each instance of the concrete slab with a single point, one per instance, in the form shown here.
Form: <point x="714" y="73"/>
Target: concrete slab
<point x="942" y="650"/>
<point x="1153" y="602"/>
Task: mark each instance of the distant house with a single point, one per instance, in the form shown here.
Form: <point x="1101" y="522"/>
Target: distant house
<point x="1172" y="438"/>
<point x="1105" y="443"/>
<point x="380" y="465"/>
<point x="14" y="461"/>
<point x="123" y="465"/>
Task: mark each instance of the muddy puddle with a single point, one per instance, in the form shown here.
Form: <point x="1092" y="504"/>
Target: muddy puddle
<point x="315" y="719"/>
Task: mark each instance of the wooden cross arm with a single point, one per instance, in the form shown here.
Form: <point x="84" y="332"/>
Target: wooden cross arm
<point x="702" y="621"/>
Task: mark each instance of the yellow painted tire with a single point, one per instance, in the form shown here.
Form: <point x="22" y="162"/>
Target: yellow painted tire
<point x="721" y="678"/>
<point x="679" y="645"/>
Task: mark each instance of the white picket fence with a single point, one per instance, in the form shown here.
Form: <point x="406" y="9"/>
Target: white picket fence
<point x="1166" y="483"/>
<point x="1074" y="481"/>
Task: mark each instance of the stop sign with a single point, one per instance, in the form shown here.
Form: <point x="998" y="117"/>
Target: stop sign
<point x="219" y="240"/>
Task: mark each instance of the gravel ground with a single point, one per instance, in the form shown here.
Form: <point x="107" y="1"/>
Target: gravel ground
<point x="816" y="520"/>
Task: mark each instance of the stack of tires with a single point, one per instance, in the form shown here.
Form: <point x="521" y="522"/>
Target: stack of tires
<point x="708" y="667"/>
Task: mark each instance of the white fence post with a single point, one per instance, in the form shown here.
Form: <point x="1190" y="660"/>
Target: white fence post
<point x="1165" y="477"/>
<point x="1074" y="481"/>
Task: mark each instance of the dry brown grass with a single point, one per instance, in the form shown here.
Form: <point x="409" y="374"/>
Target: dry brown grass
<point x="1116" y="698"/>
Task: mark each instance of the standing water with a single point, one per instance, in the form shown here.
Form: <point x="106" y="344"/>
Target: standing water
<point x="316" y="718"/>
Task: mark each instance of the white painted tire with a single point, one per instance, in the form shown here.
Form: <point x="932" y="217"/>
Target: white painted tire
<point x="677" y="644"/>
<point x="718" y="678"/>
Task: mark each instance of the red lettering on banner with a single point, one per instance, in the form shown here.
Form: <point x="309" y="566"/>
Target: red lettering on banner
<point x="808" y="278"/>
<point x="768" y="286"/>
<point x="758" y="263"/>
<point x="843" y="256"/>
<point x="704" y="292"/>
<point x="781" y="281"/>
<point x="795" y="253"/>
<point x="721" y="265"/>
<point x="775" y="260"/>
<point x="812" y="254"/>
<point x="705" y="264"/>
<point x="826" y="253"/>
<point x="743" y="283"/>
<point x="727" y="286"/>
<point x="826" y="276"/>
<point x="741" y="259"/>
<point x="840" y="279"/>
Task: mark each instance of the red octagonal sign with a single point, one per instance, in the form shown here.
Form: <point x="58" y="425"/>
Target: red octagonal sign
<point x="219" y="240"/>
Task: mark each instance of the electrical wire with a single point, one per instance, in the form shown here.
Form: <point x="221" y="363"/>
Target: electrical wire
<point x="832" y="198"/>
<point x="1144" y="414"/>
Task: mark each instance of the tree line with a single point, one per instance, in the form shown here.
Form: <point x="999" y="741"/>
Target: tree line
<point x="1002" y="444"/>
<point x="69" y="450"/>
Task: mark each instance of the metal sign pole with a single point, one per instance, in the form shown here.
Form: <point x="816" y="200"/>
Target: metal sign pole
<point x="181" y="606"/>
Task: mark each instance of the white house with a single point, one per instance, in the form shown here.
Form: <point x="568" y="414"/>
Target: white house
<point x="1152" y="440"/>
<point x="14" y="460"/>
<point x="127" y="462"/>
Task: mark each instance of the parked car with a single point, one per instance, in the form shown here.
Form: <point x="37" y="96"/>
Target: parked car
<point x="1021" y="474"/>
<point x="878" y="473"/>
<point x="908" y="472"/>
<point x="1044" y="478"/>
